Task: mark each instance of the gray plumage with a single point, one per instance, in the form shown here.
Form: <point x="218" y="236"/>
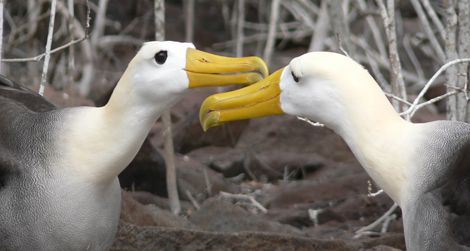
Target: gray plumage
<point x="43" y="208"/>
<point x="437" y="212"/>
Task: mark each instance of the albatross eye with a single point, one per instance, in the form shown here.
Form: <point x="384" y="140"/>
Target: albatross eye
<point x="160" y="57"/>
<point x="296" y="79"/>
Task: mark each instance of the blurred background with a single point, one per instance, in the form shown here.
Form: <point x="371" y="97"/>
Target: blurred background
<point x="283" y="181"/>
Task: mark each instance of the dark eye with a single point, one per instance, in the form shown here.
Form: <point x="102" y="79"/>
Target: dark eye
<point x="296" y="79"/>
<point x="161" y="56"/>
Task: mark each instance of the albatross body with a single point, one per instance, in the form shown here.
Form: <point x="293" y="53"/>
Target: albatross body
<point x="58" y="167"/>
<point x="425" y="168"/>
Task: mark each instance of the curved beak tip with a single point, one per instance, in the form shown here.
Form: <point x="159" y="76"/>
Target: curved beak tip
<point x="263" y="68"/>
<point x="209" y="120"/>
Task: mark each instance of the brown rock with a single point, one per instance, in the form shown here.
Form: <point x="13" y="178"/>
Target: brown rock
<point x="223" y="216"/>
<point x="191" y="178"/>
<point x="225" y="160"/>
<point x="149" y="215"/>
<point x="321" y="193"/>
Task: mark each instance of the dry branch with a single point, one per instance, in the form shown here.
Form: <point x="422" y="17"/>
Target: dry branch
<point x="451" y="54"/>
<point x="193" y="200"/>
<point x="428" y="30"/>
<point x="208" y="182"/>
<point x="379" y="42"/>
<point x="412" y="56"/>
<point x="47" y="53"/>
<point x="100" y="22"/>
<point x="321" y="29"/>
<point x="435" y="19"/>
<point x="268" y="50"/>
<point x="397" y="82"/>
<point x="463" y="45"/>
<point x="171" y="183"/>
<point x="367" y="229"/>
<point x="71" y="61"/>
<point x="313" y="215"/>
<point x="412" y="109"/>
<point x="1" y="33"/>
<point x="240" y="25"/>
<point x="340" y="27"/>
<point x="43" y="55"/>
<point x="244" y="197"/>
<point x="189" y="19"/>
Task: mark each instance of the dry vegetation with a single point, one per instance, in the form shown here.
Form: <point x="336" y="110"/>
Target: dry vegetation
<point x="272" y="169"/>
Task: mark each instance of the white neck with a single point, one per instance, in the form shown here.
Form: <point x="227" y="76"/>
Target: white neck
<point x="376" y="134"/>
<point x="102" y="141"/>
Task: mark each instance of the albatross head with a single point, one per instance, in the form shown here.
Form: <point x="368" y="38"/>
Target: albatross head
<point x="334" y="90"/>
<point x="322" y="86"/>
<point x="162" y="69"/>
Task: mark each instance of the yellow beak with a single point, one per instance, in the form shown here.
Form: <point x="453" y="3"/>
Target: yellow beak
<point x="257" y="100"/>
<point x="205" y="69"/>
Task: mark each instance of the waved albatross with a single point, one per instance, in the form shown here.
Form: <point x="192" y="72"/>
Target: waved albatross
<point x="58" y="167"/>
<point x="425" y="168"/>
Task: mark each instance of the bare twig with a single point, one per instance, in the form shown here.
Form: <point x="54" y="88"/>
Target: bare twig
<point x="321" y="29"/>
<point x="397" y="98"/>
<point x="367" y="229"/>
<point x="369" y="190"/>
<point x="397" y="82"/>
<point x="189" y="19"/>
<point x="71" y="61"/>
<point x="262" y="37"/>
<point x="193" y="200"/>
<point x="100" y="22"/>
<point x="386" y="223"/>
<point x="244" y="197"/>
<point x="48" y="48"/>
<point x="240" y="25"/>
<point x="451" y="54"/>
<point x="375" y="67"/>
<point x="299" y="12"/>
<point x="340" y="27"/>
<point x="159" y="12"/>
<point x="172" y="186"/>
<point x="313" y="215"/>
<point x="412" y="108"/>
<point x="43" y="55"/>
<point x="1" y="33"/>
<point x="412" y="56"/>
<point x="268" y="50"/>
<point x="108" y="41"/>
<point x="432" y="101"/>
<point x="170" y="164"/>
<point x="464" y="52"/>
<point x="374" y="29"/>
<point x="208" y="182"/>
<point x="435" y="19"/>
<point x="310" y="6"/>
<point x="428" y="30"/>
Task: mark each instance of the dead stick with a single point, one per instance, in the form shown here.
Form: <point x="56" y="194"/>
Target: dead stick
<point x="50" y="34"/>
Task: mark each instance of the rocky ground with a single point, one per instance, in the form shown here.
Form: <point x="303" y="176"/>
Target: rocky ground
<point x="312" y="192"/>
<point x="285" y="164"/>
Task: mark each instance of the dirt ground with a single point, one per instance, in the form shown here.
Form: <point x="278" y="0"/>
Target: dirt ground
<point x="288" y="166"/>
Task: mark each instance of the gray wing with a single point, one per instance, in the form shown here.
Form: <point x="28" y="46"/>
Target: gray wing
<point x="12" y="92"/>
<point x="20" y="127"/>
<point x="438" y="215"/>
